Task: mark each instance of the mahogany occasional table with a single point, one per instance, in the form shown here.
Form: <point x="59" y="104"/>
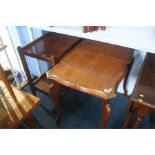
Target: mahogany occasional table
<point x="95" y="68"/>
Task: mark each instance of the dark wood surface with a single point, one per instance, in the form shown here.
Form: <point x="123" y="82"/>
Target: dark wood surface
<point x="51" y="45"/>
<point x="95" y="68"/>
<point x="144" y="91"/>
<point x="142" y="101"/>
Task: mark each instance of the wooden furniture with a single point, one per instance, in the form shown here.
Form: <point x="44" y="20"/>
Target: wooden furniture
<point x="95" y="68"/>
<point x="50" y="47"/>
<point x="3" y="76"/>
<point x="142" y="101"/>
<point x="6" y="82"/>
<point x="16" y="105"/>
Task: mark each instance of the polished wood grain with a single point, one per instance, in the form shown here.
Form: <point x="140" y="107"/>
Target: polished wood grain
<point x="95" y="68"/>
<point x="111" y="50"/>
<point x="13" y="113"/>
<point x="51" y="47"/>
<point x="85" y="71"/>
<point x="97" y="72"/>
<point x="142" y="101"/>
<point x="123" y="53"/>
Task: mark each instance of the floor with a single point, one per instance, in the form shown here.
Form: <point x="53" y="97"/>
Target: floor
<point x="81" y="111"/>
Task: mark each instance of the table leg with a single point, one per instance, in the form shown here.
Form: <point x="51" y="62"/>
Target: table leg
<point x="128" y="122"/>
<point x="130" y="116"/>
<point x="136" y="114"/>
<point x="107" y="112"/>
<point x="137" y="122"/>
<point x="142" y="111"/>
<point x="26" y="69"/>
<point x="55" y="94"/>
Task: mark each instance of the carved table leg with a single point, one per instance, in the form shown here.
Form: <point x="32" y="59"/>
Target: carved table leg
<point x="128" y="121"/>
<point x="131" y="112"/>
<point x="55" y="93"/>
<point x="126" y="77"/>
<point x="107" y="112"/>
<point x="141" y="113"/>
<point x="137" y="122"/>
<point x="137" y="112"/>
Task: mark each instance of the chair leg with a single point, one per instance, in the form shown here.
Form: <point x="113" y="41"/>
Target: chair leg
<point x="126" y="77"/>
<point x="107" y="112"/>
<point x="55" y="94"/>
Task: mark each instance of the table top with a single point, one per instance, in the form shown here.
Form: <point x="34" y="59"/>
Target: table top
<point x="144" y="91"/>
<point x="50" y="44"/>
<point x="13" y="113"/>
<point x="97" y="72"/>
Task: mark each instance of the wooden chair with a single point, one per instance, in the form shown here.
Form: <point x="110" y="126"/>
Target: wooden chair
<point x="16" y="105"/>
<point x="95" y="68"/>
